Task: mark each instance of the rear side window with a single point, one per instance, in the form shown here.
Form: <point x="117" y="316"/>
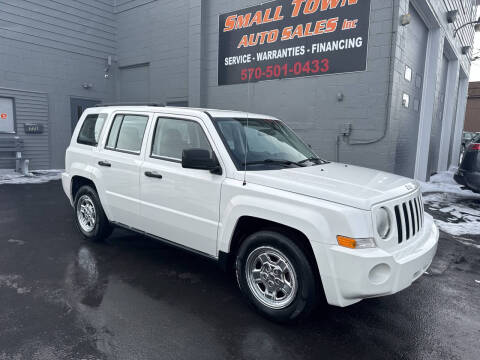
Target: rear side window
<point x="127" y="132"/>
<point x="172" y="136"/>
<point x="91" y="129"/>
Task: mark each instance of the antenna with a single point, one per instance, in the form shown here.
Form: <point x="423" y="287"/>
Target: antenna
<point x="246" y="140"/>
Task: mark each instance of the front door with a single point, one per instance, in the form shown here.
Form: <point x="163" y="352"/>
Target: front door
<point x="77" y="107"/>
<point x="179" y="205"/>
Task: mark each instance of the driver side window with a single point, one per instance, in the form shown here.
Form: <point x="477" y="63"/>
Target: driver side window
<point x="172" y="136"/>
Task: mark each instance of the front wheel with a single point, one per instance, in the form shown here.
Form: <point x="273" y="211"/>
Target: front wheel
<point x="275" y="276"/>
<point x="90" y="218"/>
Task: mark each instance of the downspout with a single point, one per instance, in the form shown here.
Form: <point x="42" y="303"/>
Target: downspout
<point x="390" y="89"/>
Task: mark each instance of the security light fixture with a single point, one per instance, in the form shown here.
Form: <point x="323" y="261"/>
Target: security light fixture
<point x="405" y="19"/>
<point x="476" y="24"/>
<point x="452" y="16"/>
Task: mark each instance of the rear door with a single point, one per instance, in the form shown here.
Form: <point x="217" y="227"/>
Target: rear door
<point x="179" y="205"/>
<point x="117" y="166"/>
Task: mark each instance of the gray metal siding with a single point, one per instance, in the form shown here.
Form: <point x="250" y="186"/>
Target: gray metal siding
<point x="53" y="47"/>
<point x="154" y="33"/>
<point x="30" y="107"/>
<point x="83" y="27"/>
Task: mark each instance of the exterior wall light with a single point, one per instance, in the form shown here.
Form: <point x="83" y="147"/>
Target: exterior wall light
<point x="452" y="16"/>
<point x="87" y="86"/>
<point x="405" y="19"/>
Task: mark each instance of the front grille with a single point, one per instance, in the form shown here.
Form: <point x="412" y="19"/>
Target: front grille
<point x="409" y="217"/>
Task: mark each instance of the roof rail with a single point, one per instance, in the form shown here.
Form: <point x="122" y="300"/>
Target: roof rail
<point x="129" y="104"/>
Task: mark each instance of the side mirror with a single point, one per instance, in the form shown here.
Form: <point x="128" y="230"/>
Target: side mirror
<point x="200" y="159"/>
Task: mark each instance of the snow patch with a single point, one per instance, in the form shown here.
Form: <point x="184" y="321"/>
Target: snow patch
<point x="35" y="177"/>
<point x="456" y="210"/>
<point x="444" y="182"/>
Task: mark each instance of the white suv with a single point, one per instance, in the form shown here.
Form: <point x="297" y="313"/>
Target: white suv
<point x="245" y="190"/>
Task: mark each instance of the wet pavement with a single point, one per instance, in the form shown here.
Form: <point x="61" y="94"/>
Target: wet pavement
<point x="135" y="298"/>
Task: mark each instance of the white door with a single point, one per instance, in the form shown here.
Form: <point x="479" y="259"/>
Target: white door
<point x="118" y="168"/>
<point x="179" y="205"/>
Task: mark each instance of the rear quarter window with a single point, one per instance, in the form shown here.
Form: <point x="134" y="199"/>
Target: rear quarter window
<point x="91" y="129"/>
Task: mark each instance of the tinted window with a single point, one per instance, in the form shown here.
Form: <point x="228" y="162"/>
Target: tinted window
<point x="126" y="133"/>
<point x="92" y="127"/>
<point x="172" y="136"/>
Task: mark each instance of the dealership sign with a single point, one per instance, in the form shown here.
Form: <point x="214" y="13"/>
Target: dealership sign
<point x="293" y="38"/>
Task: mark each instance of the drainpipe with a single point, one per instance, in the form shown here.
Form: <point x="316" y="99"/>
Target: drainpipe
<point x="390" y="90"/>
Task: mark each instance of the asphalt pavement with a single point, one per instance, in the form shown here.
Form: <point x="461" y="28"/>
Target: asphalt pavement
<point x="135" y="298"/>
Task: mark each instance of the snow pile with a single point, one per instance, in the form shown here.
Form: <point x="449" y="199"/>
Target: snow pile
<point x="35" y="177"/>
<point x="456" y="210"/>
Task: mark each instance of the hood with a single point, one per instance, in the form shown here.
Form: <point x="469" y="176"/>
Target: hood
<point x="344" y="184"/>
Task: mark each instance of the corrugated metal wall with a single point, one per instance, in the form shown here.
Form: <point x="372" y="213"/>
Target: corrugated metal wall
<point x="31" y="107"/>
<point x="54" y="47"/>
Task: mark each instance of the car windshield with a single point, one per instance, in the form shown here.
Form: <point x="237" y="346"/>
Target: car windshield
<point x="269" y="144"/>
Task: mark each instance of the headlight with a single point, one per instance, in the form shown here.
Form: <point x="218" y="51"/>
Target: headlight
<point x="382" y="220"/>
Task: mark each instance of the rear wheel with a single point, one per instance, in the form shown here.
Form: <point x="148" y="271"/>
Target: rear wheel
<point x="276" y="277"/>
<point x="90" y="218"/>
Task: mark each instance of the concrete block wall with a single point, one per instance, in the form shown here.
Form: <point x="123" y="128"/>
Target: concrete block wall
<point x="310" y="105"/>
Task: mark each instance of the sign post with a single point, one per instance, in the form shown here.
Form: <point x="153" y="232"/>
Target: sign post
<point x="293" y="38"/>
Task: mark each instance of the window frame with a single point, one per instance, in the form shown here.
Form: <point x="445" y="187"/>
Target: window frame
<point x="14" y="107"/>
<point x="114" y="116"/>
<point x="101" y="130"/>
<point x="166" y="158"/>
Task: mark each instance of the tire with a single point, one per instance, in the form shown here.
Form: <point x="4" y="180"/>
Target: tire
<point x="92" y="222"/>
<point x="257" y="270"/>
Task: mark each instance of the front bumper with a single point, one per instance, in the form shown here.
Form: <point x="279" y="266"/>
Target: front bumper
<point x="349" y="276"/>
<point x="67" y="184"/>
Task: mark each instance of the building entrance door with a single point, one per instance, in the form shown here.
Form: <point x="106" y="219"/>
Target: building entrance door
<point x="77" y="107"/>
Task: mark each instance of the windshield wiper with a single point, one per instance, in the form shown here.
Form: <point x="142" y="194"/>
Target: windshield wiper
<point x="274" y="162"/>
<point x="312" y="159"/>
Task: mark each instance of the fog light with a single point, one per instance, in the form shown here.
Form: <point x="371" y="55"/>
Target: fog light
<point x="379" y="274"/>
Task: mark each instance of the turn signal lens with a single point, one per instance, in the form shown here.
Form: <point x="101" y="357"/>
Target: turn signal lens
<point x="355" y="243"/>
<point x="475" y="147"/>
<point x="346" y="242"/>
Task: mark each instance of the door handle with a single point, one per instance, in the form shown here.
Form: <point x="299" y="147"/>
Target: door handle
<point x="152" y="174"/>
<point x="104" y="163"/>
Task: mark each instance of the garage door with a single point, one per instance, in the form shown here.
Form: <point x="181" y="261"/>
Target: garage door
<point x="437" y="118"/>
<point x="410" y="88"/>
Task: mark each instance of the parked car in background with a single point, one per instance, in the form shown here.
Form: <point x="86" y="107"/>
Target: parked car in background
<point x="243" y="189"/>
<point x="467" y="137"/>
<point x="468" y="173"/>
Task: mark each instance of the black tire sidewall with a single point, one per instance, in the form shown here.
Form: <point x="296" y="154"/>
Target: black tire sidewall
<point x="102" y="226"/>
<point x="306" y="296"/>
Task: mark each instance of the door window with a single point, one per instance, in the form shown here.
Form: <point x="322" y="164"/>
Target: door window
<point x="126" y="133"/>
<point x="172" y="136"/>
<point x="91" y="129"/>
